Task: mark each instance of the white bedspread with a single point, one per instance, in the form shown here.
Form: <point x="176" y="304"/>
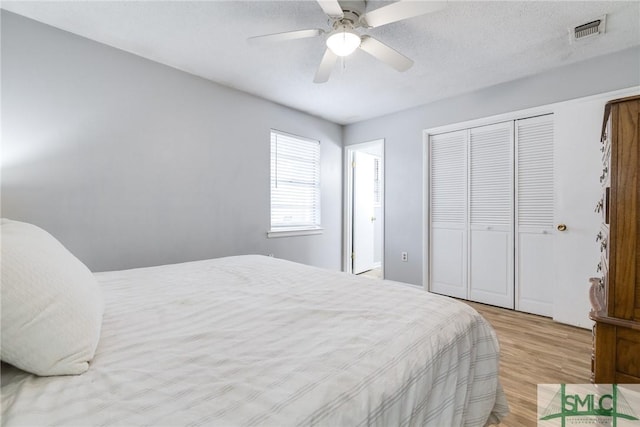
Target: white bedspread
<point x="257" y="341"/>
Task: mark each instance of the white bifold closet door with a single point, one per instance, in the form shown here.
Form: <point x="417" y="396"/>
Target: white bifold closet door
<point x="448" y="214"/>
<point x="535" y="215"/>
<point x="491" y="215"/>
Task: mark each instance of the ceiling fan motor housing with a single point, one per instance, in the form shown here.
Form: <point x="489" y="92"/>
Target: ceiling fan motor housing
<point x="351" y="19"/>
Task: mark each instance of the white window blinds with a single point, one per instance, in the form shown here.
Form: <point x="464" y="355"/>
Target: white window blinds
<point x="295" y="183"/>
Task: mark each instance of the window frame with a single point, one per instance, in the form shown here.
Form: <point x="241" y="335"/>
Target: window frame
<point x="296" y="230"/>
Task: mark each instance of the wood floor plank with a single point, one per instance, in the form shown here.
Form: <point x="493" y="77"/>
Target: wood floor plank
<point x="535" y="350"/>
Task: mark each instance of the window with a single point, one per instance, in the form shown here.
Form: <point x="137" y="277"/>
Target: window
<point x="295" y="185"/>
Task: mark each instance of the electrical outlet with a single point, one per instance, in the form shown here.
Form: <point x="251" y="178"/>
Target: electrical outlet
<point x="404" y="256"/>
<point x="271" y="255"/>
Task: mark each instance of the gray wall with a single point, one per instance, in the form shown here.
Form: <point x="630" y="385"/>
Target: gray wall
<point x="402" y="133"/>
<point x="132" y="163"/>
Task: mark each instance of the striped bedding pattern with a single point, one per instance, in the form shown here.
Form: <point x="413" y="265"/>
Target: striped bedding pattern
<point x="258" y="341"/>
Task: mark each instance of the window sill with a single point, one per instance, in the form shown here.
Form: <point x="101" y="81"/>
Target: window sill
<point x="292" y="232"/>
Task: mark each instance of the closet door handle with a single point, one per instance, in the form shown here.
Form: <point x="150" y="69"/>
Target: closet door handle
<point x="561" y="227"/>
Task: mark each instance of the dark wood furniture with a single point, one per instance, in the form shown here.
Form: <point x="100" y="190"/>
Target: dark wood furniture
<point x="616" y="294"/>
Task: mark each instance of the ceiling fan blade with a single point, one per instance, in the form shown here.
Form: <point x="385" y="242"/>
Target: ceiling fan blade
<point x="398" y="11"/>
<point x="289" y="35"/>
<point x="326" y="65"/>
<point x="331" y="8"/>
<point x="384" y="53"/>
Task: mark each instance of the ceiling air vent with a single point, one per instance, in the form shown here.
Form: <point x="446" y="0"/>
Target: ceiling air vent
<point x="589" y="29"/>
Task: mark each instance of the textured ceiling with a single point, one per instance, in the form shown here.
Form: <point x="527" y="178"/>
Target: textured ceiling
<point x="461" y="48"/>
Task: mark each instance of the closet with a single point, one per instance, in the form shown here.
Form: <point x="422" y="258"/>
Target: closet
<point x="491" y="213"/>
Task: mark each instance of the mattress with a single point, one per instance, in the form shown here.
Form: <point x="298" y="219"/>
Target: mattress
<point x="258" y="341"/>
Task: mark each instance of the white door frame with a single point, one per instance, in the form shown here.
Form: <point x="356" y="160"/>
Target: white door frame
<point x="347" y="265"/>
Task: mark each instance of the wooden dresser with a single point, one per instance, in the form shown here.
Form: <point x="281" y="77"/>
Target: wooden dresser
<point x="615" y="295"/>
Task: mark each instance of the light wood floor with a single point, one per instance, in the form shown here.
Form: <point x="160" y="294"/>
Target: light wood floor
<point x="376" y="273"/>
<point x="535" y="350"/>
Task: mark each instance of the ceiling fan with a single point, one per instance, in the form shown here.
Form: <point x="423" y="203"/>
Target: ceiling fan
<point x="345" y="18"/>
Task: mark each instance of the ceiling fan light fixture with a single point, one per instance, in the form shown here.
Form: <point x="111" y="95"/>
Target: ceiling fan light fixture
<point x="343" y="41"/>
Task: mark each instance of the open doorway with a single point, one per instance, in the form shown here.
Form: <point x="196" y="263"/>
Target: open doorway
<point x="364" y="209"/>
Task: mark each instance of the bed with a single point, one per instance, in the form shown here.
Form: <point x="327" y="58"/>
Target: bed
<point x="259" y="341"/>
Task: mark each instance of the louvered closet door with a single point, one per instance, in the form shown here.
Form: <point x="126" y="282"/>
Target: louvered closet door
<point x="448" y="182"/>
<point x="535" y="215"/>
<point x="491" y="215"/>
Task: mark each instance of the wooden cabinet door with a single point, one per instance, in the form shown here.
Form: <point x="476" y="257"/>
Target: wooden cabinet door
<point x="624" y="252"/>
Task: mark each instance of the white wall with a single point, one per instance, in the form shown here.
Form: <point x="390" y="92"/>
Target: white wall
<point x="402" y="133"/>
<point x="132" y="163"/>
<point x="578" y="125"/>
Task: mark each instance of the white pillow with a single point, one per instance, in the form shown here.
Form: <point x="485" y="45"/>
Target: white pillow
<point x="51" y="304"/>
